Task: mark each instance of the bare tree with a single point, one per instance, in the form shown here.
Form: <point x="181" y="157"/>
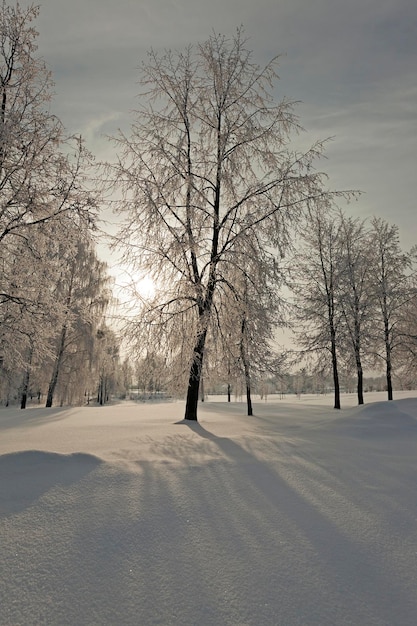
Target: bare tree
<point x="390" y="269"/>
<point x="317" y="278"/>
<point x="408" y="335"/>
<point x="356" y="291"/>
<point x="83" y="291"/>
<point x="44" y="196"/>
<point x="247" y="311"/>
<point x="207" y="162"/>
<point x="41" y="170"/>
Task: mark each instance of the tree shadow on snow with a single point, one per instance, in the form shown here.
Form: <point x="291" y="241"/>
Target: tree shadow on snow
<point x="26" y="476"/>
<point x="344" y="556"/>
<point x="33" y="416"/>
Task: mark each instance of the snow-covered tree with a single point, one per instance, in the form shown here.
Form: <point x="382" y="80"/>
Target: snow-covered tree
<point x="44" y="197"/>
<point x="83" y="292"/>
<point x="318" y="272"/>
<point x="41" y="170"/>
<point x="390" y="272"/>
<point x="208" y="161"/>
<point x="356" y="293"/>
<point x="248" y="309"/>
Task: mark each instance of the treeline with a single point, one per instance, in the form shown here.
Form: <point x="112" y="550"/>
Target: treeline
<point x="54" y="291"/>
<point x="355" y="298"/>
<point x="233" y="223"/>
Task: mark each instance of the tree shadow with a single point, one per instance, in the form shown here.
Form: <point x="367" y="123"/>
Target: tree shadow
<point x="18" y="418"/>
<point x="343" y="554"/>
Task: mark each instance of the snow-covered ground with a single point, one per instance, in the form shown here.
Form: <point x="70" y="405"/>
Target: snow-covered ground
<point x="126" y="515"/>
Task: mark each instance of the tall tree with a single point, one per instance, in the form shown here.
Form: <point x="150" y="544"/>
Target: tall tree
<point x="249" y="310"/>
<point x="42" y="172"/>
<point x="317" y="278"/>
<point x="207" y="162"/>
<point x="356" y="291"/>
<point x="83" y="291"/>
<point x="390" y="269"/>
<point x="408" y="335"/>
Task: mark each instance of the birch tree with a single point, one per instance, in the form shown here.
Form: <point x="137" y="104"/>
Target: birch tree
<point x="250" y="310"/>
<point x="317" y="277"/>
<point x="208" y="160"/>
<point x="356" y="292"/>
<point x="392" y="290"/>
<point x="42" y="171"/>
<point x="408" y="335"/>
<point x="83" y="291"/>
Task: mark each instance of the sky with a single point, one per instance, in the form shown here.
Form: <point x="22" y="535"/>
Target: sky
<point x="351" y="65"/>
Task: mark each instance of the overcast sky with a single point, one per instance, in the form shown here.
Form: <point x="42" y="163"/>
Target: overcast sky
<point x="351" y="63"/>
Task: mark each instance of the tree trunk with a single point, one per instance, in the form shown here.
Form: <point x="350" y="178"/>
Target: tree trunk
<point x="61" y="348"/>
<point x="57" y="366"/>
<point x="249" y="399"/>
<point x="26" y="379"/>
<point x="246" y="369"/>
<point x="360" y="385"/>
<point x="25" y="388"/>
<point x="194" y="378"/>
<point x="335" y="376"/>
<point x="389" y="379"/>
<point x="359" y="373"/>
<point x="101" y="391"/>
<point x="229" y="391"/>
<point x="388" y="360"/>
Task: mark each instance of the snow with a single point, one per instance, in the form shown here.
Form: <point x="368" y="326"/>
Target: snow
<point x="125" y="514"/>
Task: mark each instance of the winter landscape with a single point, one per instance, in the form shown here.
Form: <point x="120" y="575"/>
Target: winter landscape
<point x="168" y="232"/>
<point x="127" y="514"/>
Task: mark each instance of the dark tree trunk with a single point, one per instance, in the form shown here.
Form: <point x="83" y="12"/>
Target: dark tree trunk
<point x="229" y="391"/>
<point x="61" y="348"/>
<point x="360" y="383"/>
<point x="388" y="361"/>
<point x="25" y="388"/>
<point x="389" y="380"/>
<point x="335" y="376"/>
<point x="101" y="391"/>
<point x="246" y="368"/>
<point x="57" y="366"/>
<point x="249" y="399"/>
<point x="194" y="378"/>
<point x="26" y="379"/>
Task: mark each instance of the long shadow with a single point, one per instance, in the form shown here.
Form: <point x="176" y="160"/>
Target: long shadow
<point x="26" y="476"/>
<point x="17" y="418"/>
<point x="14" y="417"/>
<point x="348" y="560"/>
<point x="271" y="412"/>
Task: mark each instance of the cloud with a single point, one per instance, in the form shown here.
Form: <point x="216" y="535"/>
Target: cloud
<point x="352" y="64"/>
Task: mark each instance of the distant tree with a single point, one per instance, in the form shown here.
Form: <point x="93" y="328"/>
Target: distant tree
<point x="208" y="161"/>
<point x="247" y="311"/>
<point x="356" y="292"/>
<point x="317" y="272"/>
<point x="83" y="291"/>
<point x="407" y="357"/>
<point x="106" y="363"/>
<point x="392" y="291"/>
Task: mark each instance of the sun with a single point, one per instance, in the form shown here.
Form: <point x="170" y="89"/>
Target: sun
<point x="145" y="287"/>
<point x="131" y="286"/>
